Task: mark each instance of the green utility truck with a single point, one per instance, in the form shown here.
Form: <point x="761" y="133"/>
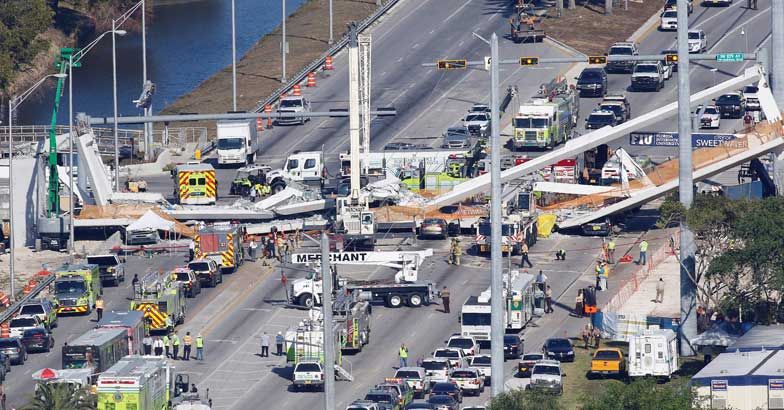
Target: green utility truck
<point x="138" y="382"/>
<point x="76" y="287"/>
<point x="548" y="119"/>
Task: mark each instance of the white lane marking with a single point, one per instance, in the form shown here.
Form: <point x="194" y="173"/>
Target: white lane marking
<point x="701" y="23"/>
<point x="741" y="27"/>
<point x="454" y="13"/>
<point x="381" y="37"/>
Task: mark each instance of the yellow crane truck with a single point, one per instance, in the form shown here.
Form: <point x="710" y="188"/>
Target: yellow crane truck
<point x="195" y="184"/>
<point x="162" y="301"/>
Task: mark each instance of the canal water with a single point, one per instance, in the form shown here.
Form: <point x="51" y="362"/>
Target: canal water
<point x="187" y="42"/>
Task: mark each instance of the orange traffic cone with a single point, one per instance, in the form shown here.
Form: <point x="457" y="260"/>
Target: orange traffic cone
<point x="268" y="110"/>
<point x="259" y="125"/>
<point x="296" y="90"/>
<point x="311" y="80"/>
<point x="328" y="63"/>
<point x="625" y="259"/>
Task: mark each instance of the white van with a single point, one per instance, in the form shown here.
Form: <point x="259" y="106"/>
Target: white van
<point x="653" y="352"/>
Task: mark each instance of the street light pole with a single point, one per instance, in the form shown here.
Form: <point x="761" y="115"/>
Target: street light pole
<point x="331" y="38"/>
<point x="329" y="336"/>
<point x="147" y="110"/>
<point x="114" y="93"/>
<point x="688" y="291"/>
<point x="283" y="42"/>
<point x="71" y="159"/>
<point x="233" y="58"/>
<point x="496" y="291"/>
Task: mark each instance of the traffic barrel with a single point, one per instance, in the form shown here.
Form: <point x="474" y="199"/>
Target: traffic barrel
<point x="311" y="80"/>
<point x="27" y="289"/>
<point x="328" y="63"/>
<point x="268" y="110"/>
<point x="296" y="90"/>
<point x="5" y="330"/>
<point x="43" y="273"/>
<point x="259" y="125"/>
<point x="32" y="282"/>
<point x="4" y="300"/>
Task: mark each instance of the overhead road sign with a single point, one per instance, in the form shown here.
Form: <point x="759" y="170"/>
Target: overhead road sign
<point x="729" y="57"/>
<point x="698" y="140"/>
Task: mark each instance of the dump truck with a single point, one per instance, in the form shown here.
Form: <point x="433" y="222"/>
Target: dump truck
<point x="76" y="287"/>
<point x="221" y="243"/>
<point x="161" y="299"/>
<point x="548" y="119"/>
<point x="352" y="314"/>
<point x="137" y="382"/>
<point x="195" y="184"/>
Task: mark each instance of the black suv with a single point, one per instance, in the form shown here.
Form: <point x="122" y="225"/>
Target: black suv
<point x="513" y="347"/>
<point x="731" y="105"/>
<point x="592" y="82"/>
<point x="558" y="348"/>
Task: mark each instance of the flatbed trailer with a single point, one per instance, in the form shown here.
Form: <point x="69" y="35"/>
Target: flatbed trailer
<point x="396" y="294"/>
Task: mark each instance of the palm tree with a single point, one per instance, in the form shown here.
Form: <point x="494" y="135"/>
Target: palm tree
<point x="61" y="396"/>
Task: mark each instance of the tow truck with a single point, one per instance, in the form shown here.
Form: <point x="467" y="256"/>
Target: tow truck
<point x="404" y="289"/>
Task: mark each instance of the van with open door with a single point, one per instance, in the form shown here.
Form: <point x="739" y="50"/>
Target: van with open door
<point x="653" y="352"/>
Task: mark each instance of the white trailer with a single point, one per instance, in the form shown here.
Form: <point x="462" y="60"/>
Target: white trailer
<point x="237" y="142"/>
<point x="653" y="352"/>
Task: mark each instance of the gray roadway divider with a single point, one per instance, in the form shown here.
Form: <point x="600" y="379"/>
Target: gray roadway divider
<point x="11" y="311"/>
<point x="319" y="62"/>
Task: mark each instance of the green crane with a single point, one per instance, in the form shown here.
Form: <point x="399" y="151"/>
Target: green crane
<point x="53" y="192"/>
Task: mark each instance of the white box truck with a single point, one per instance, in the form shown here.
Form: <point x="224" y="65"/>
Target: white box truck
<point x="238" y="142"/>
<point x="653" y="352"/>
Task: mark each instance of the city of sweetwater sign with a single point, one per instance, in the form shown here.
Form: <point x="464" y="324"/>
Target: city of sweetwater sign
<point x="357" y="257"/>
<point x="670" y="139"/>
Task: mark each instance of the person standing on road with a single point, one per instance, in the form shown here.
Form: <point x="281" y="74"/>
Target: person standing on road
<point x="175" y="345"/>
<point x="187" y="342"/>
<point x="611" y="251"/>
<point x="659" y="291"/>
<point x="99" y="308"/>
<point x="454" y="252"/>
<point x="524" y="256"/>
<point x="578" y="303"/>
<point x="279" y="344"/>
<point x="252" y="250"/>
<point x="445" y="299"/>
<point x="147" y="344"/>
<point x="265" y="342"/>
<point x="643" y="253"/>
<point x="157" y="346"/>
<point x="191" y="250"/>
<point x="297" y="238"/>
<point x="548" y="300"/>
<point x="199" y="347"/>
<point x="166" y="345"/>
<point x="403" y="353"/>
<point x="586" y="336"/>
<point x="597" y="337"/>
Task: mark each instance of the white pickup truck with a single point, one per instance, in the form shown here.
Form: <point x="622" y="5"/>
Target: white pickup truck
<point x="308" y="375"/>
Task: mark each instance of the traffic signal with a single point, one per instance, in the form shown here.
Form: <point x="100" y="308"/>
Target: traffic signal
<point x="671" y="58"/>
<point x="597" y="60"/>
<point x="451" y="64"/>
<point x="529" y="60"/>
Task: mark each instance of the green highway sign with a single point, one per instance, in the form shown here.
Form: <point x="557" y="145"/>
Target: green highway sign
<point x="729" y="57"/>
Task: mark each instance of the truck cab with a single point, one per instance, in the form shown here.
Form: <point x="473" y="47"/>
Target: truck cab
<point x="76" y="287"/>
<point x="305" y="167"/>
<point x="296" y="106"/>
<point x="237" y="142"/>
<point x="608" y="361"/>
<point x="110" y="268"/>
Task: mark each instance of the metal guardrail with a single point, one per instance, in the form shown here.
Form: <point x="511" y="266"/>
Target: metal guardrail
<point x="11" y="311"/>
<point x="302" y="74"/>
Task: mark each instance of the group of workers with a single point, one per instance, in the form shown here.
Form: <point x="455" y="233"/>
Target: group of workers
<point x="253" y="186"/>
<point x="276" y="244"/>
<point x="169" y="344"/>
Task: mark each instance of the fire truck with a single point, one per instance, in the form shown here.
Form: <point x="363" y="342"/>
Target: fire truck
<point x="518" y="226"/>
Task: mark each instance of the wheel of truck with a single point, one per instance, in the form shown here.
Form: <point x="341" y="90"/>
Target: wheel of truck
<point x="415" y="300"/>
<point x="277" y="186"/>
<point x="394" y="301"/>
<point x="214" y="282"/>
<point x="306" y="300"/>
<point x="220" y="277"/>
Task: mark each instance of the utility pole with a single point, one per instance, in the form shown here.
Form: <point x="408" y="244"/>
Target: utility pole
<point x="283" y="46"/>
<point x="608" y="9"/>
<point x="496" y="291"/>
<point x="234" y="54"/>
<point x="776" y="47"/>
<point x="70" y="160"/>
<point x="11" y="218"/>
<point x="688" y="325"/>
<point x="331" y="38"/>
<point x="329" y="336"/>
<point x="354" y="126"/>
<point x="114" y="93"/>
<point x="147" y="110"/>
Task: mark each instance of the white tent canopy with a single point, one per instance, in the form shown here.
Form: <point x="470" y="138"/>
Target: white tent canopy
<point x="151" y="220"/>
